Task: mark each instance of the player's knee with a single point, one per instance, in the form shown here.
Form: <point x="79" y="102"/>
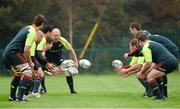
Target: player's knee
<point x="150" y="80"/>
<point x="138" y="75"/>
<point x="40" y="73"/>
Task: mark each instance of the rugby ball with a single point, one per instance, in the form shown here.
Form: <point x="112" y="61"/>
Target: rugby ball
<point x="117" y="63"/>
<point x="67" y="63"/>
<point x="71" y="71"/>
<point x="84" y="63"/>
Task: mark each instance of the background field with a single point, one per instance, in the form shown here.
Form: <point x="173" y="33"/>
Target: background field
<point x="95" y="91"/>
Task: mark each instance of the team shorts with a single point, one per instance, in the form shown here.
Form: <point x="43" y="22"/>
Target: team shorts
<point x="167" y="65"/>
<point x="13" y="58"/>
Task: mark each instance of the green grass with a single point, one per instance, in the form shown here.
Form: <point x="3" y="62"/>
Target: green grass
<point x="102" y="91"/>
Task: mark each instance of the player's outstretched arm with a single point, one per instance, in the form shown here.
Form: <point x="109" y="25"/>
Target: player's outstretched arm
<point x="74" y="56"/>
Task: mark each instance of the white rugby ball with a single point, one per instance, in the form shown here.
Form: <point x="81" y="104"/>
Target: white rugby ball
<point x="71" y="71"/>
<point x="84" y="63"/>
<point x="67" y="63"/>
<point x="116" y="63"/>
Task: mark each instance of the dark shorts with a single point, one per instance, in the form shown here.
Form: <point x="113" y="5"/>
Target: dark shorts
<point x="167" y="65"/>
<point x="13" y="59"/>
<point x="175" y="52"/>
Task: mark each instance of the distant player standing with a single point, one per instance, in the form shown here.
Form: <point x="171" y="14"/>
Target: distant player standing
<point x="17" y="55"/>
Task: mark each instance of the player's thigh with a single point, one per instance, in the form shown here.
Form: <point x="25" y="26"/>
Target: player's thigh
<point x="154" y="74"/>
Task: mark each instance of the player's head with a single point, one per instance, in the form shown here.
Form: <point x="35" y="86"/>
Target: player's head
<point x="134" y="28"/>
<point x="141" y="37"/>
<point x="56" y="34"/>
<point x="38" y="21"/>
<point x="133" y="44"/>
<point x="47" y="30"/>
<point x="39" y="36"/>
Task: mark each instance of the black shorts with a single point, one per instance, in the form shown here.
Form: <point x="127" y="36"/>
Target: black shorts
<point x="168" y="65"/>
<point x="13" y="58"/>
<point x="174" y="51"/>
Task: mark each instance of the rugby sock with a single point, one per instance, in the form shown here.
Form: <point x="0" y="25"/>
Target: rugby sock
<point x="27" y="89"/>
<point x="165" y="80"/>
<point x="160" y="83"/>
<point x="69" y="80"/>
<point x="37" y="83"/>
<point x="14" y="84"/>
<point x="23" y="86"/>
<point x="43" y="83"/>
<point x="31" y="85"/>
<point x="146" y="85"/>
<point x="155" y="87"/>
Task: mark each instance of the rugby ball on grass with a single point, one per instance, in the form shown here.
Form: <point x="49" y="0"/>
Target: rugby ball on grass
<point x="84" y="63"/>
<point x="117" y="63"/>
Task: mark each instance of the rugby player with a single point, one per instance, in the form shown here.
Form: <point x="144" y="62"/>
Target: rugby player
<point x="135" y="27"/>
<point x="54" y="55"/>
<point x="154" y="52"/>
<point x="17" y="55"/>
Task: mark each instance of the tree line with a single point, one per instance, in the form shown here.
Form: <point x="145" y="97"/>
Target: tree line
<point x="152" y="14"/>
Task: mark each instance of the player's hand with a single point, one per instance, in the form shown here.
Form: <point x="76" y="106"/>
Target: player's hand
<point x="56" y="71"/>
<point x="125" y="74"/>
<point x="31" y="64"/>
<point x="126" y="56"/>
<point x="76" y="64"/>
<point x="40" y="72"/>
<point x="141" y="75"/>
<point x="49" y="66"/>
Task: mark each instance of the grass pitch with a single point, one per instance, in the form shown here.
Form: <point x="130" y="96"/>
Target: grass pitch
<point x="101" y="91"/>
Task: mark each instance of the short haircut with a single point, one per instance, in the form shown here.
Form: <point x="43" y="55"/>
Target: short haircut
<point x="39" y="20"/>
<point x="135" y="25"/>
<point x="47" y="28"/>
<point x="134" y="42"/>
<point x="141" y="36"/>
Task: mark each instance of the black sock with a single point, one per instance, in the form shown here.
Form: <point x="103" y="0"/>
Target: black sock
<point x="31" y="85"/>
<point x="27" y="89"/>
<point x="14" y="84"/>
<point x="23" y="86"/>
<point x="43" y="83"/>
<point x="165" y="80"/>
<point x="155" y="88"/>
<point x="69" y="80"/>
<point x="37" y="83"/>
<point x="146" y="85"/>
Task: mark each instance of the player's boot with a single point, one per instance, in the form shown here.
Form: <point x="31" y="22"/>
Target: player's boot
<point x="11" y="99"/>
<point x="43" y="91"/>
<point x="159" y="99"/>
<point x="73" y="92"/>
<point x="35" y="95"/>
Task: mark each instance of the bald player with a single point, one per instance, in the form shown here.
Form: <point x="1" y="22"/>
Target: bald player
<point x="54" y="55"/>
